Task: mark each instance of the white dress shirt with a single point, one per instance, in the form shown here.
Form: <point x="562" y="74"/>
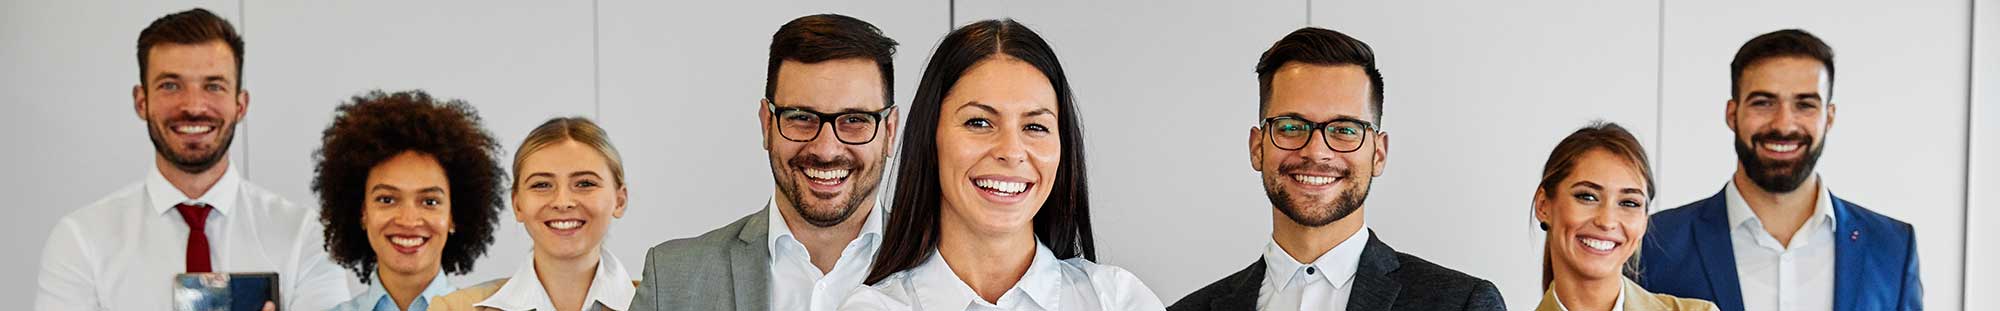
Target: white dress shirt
<point x="1776" y="277"/>
<point x="610" y="289"/>
<point x="1074" y="284"/>
<point x="1323" y="285"/>
<point x="796" y="284"/>
<point x="377" y="297"/>
<point x="122" y="252"/>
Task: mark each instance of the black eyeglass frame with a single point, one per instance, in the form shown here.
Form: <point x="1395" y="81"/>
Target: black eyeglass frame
<point x="826" y="118"/>
<point x="1321" y="128"/>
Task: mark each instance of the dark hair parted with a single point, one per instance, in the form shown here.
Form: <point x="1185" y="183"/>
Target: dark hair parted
<point x="194" y="26"/>
<point x="1062" y="224"/>
<point x="817" y="38"/>
<point x="375" y="126"/>
<point x="1318" y="46"/>
<point x="1599" y="135"/>
<point x="1782" y="43"/>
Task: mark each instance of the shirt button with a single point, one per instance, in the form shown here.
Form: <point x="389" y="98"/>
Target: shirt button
<point x="1310" y="270"/>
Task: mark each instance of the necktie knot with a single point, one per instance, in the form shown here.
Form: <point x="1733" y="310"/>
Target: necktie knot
<point x="195" y="214"/>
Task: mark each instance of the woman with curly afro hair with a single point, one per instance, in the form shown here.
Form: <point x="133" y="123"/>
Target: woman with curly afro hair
<point x="410" y="189"/>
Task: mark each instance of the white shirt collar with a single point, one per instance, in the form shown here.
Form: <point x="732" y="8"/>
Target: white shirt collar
<point x="1619" y="305"/>
<point x="1741" y="215"/>
<point x="161" y="195"/>
<point x="938" y="288"/>
<point x="611" y="287"/>
<point x="871" y="227"/>
<point x="377" y="297"/>
<point x="1336" y="265"/>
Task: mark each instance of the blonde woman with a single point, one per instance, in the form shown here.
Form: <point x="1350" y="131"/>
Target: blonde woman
<point x="569" y="185"/>
<point x="1592" y="202"/>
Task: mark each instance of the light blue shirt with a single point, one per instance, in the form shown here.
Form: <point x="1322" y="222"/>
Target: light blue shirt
<point x="377" y="298"/>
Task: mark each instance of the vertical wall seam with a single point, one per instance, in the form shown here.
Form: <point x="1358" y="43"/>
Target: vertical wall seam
<point x="1660" y="89"/>
<point x="596" y="65"/>
<point x="1971" y="116"/>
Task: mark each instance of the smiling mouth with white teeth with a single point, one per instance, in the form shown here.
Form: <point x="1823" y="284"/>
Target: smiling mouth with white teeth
<point x="1314" y="180"/>
<point x="826" y="177"/>
<point x="565" y="224"/>
<point x="1597" y="244"/>
<point x="194" y="129"/>
<point x="1003" y="188"/>
<point x="408" y="244"/>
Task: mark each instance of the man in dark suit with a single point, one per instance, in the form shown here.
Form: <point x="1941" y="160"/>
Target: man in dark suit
<point x="1318" y="148"/>
<point x="1775" y="238"/>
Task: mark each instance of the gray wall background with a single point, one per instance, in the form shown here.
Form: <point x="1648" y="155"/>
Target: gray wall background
<point x="1477" y="94"/>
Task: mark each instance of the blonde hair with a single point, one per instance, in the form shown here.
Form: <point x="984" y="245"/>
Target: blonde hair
<point x="577" y="129"/>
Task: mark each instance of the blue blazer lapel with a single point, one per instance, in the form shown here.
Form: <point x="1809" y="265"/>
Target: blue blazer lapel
<point x="1717" y="254"/>
<point x="1847" y="254"/>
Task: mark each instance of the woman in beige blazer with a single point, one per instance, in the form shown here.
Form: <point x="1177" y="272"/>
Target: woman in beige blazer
<point x="1592" y="203"/>
<point x="569" y="185"/>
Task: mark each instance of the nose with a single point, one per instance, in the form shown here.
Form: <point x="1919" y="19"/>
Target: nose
<point x="1602" y="218"/>
<point x="1785" y="120"/>
<point x="407" y="215"/>
<point x="1317" y="148"/>
<point x="1010" y="150"/>
<point x="565" y="199"/>
<point x="826" y="145"/>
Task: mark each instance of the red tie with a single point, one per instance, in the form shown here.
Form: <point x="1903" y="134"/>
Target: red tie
<point x="196" y="216"/>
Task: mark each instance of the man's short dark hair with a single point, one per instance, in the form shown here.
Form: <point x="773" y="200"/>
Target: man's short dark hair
<point x="1782" y="43"/>
<point x="194" y="26"/>
<point x="1318" y="46"/>
<point x="824" y="37"/>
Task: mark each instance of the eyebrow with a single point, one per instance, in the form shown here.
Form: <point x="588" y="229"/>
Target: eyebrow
<point x="1595" y="186"/>
<point x="1805" y="96"/>
<point x="1337" y="117"/>
<point x="387" y="187"/>
<point x="1038" y="112"/>
<point x="583" y="173"/>
<point x="975" y="104"/>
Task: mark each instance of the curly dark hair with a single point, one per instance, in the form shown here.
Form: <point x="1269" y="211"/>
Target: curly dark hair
<point x="373" y="127"/>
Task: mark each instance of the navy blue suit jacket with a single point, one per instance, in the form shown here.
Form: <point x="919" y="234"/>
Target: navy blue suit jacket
<point x="1687" y="253"/>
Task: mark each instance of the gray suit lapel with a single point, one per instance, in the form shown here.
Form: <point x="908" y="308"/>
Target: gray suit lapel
<point x="750" y="261"/>
<point x="1373" y="289"/>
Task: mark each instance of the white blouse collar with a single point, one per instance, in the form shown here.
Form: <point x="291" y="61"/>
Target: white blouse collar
<point x="611" y="287"/>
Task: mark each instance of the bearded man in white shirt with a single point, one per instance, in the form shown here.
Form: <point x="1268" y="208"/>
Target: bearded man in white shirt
<point x="193" y="212"/>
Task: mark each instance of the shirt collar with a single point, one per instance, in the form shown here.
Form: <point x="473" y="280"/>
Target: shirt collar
<point x="1618" y="305"/>
<point x="162" y="195"/>
<point x="780" y="231"/>
<point x="380" y="296"/>
<point x="611" y="287"/>
<point x="1336" y="265"/>
<point x="1740" y="213"/>
<point x="939" y="289"/>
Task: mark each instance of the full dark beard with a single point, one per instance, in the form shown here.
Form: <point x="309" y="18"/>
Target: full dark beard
<point x="863" y="178"/>
<point x="191" y="163"/>
<point x="1351" y="197"/>
<point x="1775" y="175"/>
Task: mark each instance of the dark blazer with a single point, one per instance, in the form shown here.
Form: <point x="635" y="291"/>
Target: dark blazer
<point x="1385" y="280"/>
<point x="724" y="269"/>
<point x="1687" y="253"/>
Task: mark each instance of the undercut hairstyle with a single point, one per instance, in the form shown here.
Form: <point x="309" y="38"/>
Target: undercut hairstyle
<point x="373" y="127"/>
<point x="1063" y="222"/>
<point x="576" y="129"/>
<point x="1599" y="135"/>
<point x="196" y="26"/>
<point x="1776" y="44"/>
<point x="818" y="38"/>
<point x="1318" y="46"/>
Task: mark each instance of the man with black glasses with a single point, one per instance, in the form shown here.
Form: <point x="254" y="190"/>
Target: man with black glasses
<point x="828" y="122"/>
<point x="1319" y="146"/>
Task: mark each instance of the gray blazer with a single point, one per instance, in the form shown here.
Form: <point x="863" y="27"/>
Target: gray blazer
<point x="724" y="269"/>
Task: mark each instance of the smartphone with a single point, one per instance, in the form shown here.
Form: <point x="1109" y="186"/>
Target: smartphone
<point x="224" y="291"/>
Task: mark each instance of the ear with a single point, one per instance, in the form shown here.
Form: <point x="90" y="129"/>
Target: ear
<point x="1256" y="149"/>
<point x="619" y="210"/>
<point x="139" y="101"/>
<point x="1830" y="110"/>
<point x="889" y="127"/>
<point x="1729" y="114"/>
<point x="1541" y="205"/>
<point x="242" y="103"/>
<point x="764" y="121"/>
<point x="520" y="213"/>
<point x="1381" y="152"/>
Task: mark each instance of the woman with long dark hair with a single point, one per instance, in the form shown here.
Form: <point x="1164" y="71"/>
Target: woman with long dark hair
<point x="991" y="207"/>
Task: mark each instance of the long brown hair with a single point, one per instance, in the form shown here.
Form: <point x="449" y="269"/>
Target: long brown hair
<point x="1599" y="135"/>
<point x="1062" y="224"/>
